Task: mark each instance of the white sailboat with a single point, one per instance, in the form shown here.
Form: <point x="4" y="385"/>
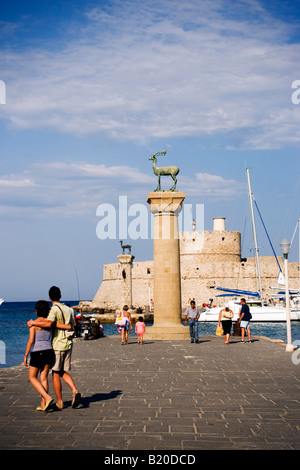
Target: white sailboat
<point x="295" y="295"/>
<point x="1" y="301"/>
<point x="260" y="311"/>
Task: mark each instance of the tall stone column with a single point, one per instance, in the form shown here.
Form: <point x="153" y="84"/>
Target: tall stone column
<point x="126" y="276"/>
<point x="165" y="206"/>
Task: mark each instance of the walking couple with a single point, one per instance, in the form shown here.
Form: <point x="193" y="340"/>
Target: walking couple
<point x="51" y="348"/>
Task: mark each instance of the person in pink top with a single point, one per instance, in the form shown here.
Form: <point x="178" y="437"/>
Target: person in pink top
<point x="140" y="330"/>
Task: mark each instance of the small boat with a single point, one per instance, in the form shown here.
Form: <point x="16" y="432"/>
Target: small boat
<point x="1" y="301"/>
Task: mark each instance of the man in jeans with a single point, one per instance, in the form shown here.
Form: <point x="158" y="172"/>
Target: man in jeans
<point x="192" y="313"/>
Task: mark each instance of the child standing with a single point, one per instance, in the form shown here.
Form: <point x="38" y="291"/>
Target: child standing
<point x="140" y="330"/>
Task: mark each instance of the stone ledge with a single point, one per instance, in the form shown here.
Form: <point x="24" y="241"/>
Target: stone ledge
<point x="167" y="333"/>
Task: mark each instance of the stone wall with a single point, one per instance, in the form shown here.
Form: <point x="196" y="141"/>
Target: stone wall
<point x="207" y="260"/>
<point x="210" y="246"/>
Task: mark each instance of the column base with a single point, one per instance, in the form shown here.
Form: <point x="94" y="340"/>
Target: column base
<point x="166" y="332"/>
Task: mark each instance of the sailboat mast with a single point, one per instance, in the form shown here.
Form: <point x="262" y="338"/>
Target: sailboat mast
<point x="77" y="282"/>
<point x="299" y="247"/>
<point x="254" y="235"/>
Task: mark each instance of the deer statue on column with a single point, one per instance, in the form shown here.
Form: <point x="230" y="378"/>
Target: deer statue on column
<point x="125" y="247"/>
<point x="164" y="171"/>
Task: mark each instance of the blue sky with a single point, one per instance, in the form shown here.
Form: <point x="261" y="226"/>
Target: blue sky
<point x="94" y="88"/>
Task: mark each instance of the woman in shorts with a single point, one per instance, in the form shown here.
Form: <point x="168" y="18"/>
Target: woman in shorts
<point x="41" y="357"/>
<point x="124" y="329"/>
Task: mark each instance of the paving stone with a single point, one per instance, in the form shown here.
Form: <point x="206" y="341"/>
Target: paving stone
<point x="167" y="395"/>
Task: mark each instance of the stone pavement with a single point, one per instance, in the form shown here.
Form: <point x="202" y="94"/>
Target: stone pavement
<point x="163" y="395"/>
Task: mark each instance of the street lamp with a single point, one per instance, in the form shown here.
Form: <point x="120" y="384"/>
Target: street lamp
<point x="285" y="248"/>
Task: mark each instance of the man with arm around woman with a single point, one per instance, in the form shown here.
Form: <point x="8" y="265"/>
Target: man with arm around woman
<point x="60" y="317"/>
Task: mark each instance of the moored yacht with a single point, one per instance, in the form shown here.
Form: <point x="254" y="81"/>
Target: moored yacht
<point x="260" y="313"/>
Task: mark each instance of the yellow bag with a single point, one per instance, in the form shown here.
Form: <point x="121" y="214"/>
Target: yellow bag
<point x="219" y="331"/>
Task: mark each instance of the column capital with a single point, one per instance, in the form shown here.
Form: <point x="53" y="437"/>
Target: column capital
<point x="165" y="201"/>
<point x="125" y="259"/>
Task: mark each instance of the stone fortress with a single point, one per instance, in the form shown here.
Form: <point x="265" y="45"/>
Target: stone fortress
<point x="207" y="260"/>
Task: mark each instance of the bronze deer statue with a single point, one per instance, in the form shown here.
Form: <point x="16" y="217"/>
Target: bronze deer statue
<point x="164" y="171"/>
<point x="128" y="247"/>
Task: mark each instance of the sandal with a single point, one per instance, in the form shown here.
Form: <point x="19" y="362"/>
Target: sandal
<point x="59" y="406"/>
<point x="48" y="404"/>
<point x="76" y="399"/>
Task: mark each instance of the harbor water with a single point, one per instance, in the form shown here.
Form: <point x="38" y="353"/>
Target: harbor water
<point x="14" y="332"/>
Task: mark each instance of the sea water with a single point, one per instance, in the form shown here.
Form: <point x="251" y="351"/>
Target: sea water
<point x="14" y="333"/>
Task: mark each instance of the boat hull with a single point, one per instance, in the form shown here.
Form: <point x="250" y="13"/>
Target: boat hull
<point x="259" y="314"/>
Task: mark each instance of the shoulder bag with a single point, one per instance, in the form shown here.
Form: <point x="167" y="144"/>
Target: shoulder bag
<point x="68" y="333"/>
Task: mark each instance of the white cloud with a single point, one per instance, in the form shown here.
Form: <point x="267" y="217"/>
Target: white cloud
<point x="162" y="69"/>
<point x="71" y="189"/>
<point x="98" y="173"/>
<point x="18" y="182"/>
<point x="67" y="189"/>
<point x="212" y="186"/>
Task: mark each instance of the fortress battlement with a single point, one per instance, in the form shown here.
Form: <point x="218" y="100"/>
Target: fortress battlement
<point x="208" y="259"/>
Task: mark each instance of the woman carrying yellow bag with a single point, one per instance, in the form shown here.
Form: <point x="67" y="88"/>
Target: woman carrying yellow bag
<point x="225" y="317"/>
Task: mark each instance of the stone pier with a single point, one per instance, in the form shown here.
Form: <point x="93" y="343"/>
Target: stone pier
<point x="165" y="206"/>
